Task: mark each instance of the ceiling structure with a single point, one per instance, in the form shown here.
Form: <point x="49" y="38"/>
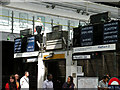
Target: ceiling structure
<point x="113" y="4"/>
<point x="80" y="6"/>
<point x="103" y="0"/>
<point x="89" y="6"/>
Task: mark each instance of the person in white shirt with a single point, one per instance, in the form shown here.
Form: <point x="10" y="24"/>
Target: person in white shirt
<point x="48" y="84"/>
<point x="24" y="81"/>
<point x="103" y="85"/>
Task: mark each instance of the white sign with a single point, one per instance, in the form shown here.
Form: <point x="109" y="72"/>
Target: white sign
<point x="88" y="83"/>
<point x="26" y="54"/>
<point x="51" y="47"/>
<point x="75" y="57"/>
<point x="79" y="69"/>
<point x="32" y="60"/>
<point x="105" y="47"/>
<point x="54" y="44"/>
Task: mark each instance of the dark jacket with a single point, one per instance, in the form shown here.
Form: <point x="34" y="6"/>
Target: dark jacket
<point x="66" y="85"/>
<point x="10" y="86"/>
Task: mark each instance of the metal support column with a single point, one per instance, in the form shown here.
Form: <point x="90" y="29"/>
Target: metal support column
<point x="41" y="67"/>
<point x="115" y="64"/>
<point x="87" y="67"/>
<point x="103" y="58"/>
<point x="79" y="22"/>
<point x="33" y="24"/>
<point x="68" y="37"/>
<point x="52" y="24"/>
<point x="97" y="67"/>
<point x="92" y="67"/>
<point x="12" y="21"/>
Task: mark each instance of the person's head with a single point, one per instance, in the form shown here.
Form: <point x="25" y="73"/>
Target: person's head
<point x="16" y="76"/>
<point x="70" y="79"/>
<point x="49" y="77"/>
<point x="12" y="78"/>
<point x="108" y="76"/>
<point x="105" y="78"/>
<point x="26" y="73"/>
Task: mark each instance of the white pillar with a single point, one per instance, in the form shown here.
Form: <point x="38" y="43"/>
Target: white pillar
<point x="74" y="71"/>
<point x="41" y="71"/>
<point x="71" y="67"/>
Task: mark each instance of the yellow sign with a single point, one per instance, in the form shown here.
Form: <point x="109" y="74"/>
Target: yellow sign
<point x="55" y="56"/>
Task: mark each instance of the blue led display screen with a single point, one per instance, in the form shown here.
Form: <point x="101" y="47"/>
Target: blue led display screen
<point x="17" y="45"/>
<point x="31" y="44"/>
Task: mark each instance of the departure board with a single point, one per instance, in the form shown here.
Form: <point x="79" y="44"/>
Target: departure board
<point x="86" y="36"/>
<point x="30" y="44"/>
<point x="110" y="32"/>
<point x="17" y="45"/>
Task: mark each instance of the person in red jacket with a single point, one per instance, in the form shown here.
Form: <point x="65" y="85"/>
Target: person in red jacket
<point x="11" y="85"/>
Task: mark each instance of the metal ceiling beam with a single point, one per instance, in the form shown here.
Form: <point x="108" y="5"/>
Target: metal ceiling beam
<point x="87" y="6"/>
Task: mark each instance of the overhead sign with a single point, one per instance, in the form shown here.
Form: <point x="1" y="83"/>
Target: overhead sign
<point x="17" y="45"/>
<point x="26" y="54"/>
<point x="87" y="36"/>
<point x="105" y="47"/>
<point x="56" y="40"/>
<point x="30" y="44"/>
<point x="54" y="44"/>
<point x="55" y="56"/>
<point x="110" y="34"/>
<point x="77" y="57"/>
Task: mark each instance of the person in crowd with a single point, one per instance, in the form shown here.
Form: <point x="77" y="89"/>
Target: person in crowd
<point x="11" y="85"/>
<point x="24" y="81"/>
<point x="17" y="80"/>
<point x="48" y="84"/>
<point x="69" y="83"/>
<point x="108" y="76"/>
<point x="103" y="85"/>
